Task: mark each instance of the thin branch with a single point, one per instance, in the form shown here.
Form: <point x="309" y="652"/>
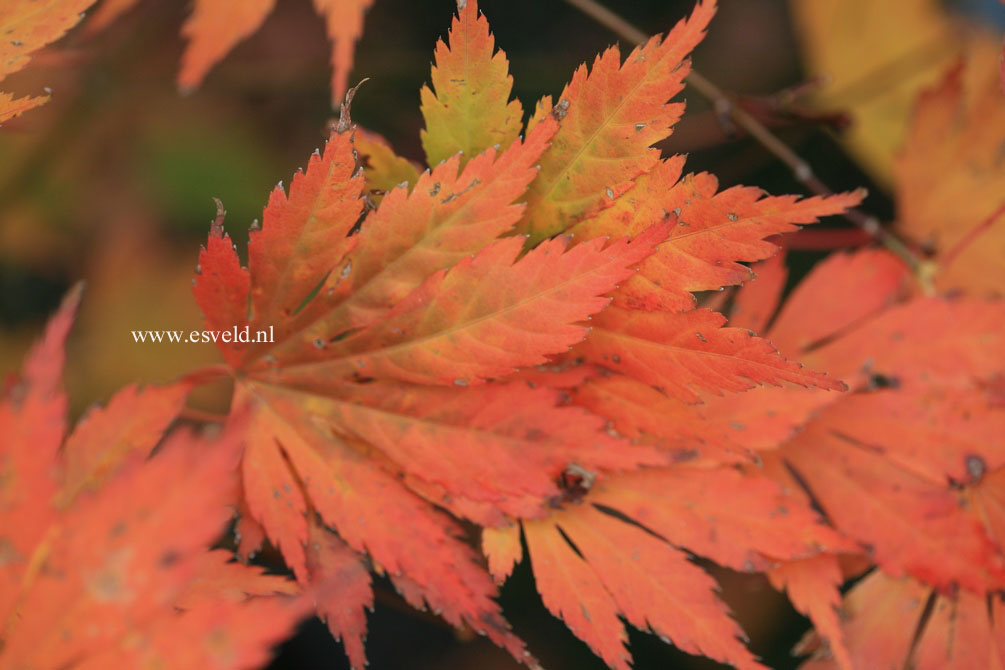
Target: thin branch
<point x="724" y="106"/>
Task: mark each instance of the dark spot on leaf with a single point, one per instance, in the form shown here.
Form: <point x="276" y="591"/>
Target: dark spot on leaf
<point x="879" y="381"/>
<point x="976" y="467"/>
<point x="684" y="455"/>
<point x="561" y="109"/>
<point x="169" y="558"/>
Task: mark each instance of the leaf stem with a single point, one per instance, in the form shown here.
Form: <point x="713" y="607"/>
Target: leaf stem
<point x="724" y="106"/>
<point x="205" y="375"/>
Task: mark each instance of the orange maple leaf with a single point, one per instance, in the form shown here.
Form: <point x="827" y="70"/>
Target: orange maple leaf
<point x="402" y="380"/>
<point x="909" y="464"/>
<point x="217" y="26"/>
<point x="26" y="27"/>
<point x="949" y="179"/>
<point x="105" y="552"/>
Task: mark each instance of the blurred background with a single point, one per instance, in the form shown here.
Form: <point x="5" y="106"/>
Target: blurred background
<point x="112" y="182"/>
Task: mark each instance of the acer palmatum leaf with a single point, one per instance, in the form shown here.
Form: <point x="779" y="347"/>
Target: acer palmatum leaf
<point x="909" y="464"/>
<point x="487" y="316"/>
<point x="450" y="213"/>
<point x="755" y="306"/>
<point x="336" y="567"/>
<point x="690" y="351"/>
<point x="470" y="110"/>
<point x="214" y="28"/>
<point x="901" y="622"/>
<point x="813" y="585"/>
<point x="949" y="175"/>
<point x="217" y="26"/>
<point x="121" y="576"/>
<point x="405" y="377"/>
<point x="619" y="568"/>
<point x="713" y="232"/>
<point x="27" y="27"/>
<point x="613" y="114"/>
<point x="871" y="280"/>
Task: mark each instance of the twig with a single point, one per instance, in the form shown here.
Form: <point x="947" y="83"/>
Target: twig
<point x="724" y="106"/>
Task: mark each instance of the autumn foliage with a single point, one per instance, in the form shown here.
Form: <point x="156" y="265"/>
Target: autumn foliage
<point x="552" y="345"/>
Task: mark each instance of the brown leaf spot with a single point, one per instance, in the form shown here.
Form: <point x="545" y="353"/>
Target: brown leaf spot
<point x="561" y="109"/>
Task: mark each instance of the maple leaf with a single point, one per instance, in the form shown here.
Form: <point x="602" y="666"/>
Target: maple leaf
<point x="27" y="26"/>
<point x="935" y="629"/>
<point x="921" y="436"/>
<point x="919" y="38"/>
<point x="909" y="464"/>
<point x="713" y="231"/>
<point x="293" y="403"/>
<point x="612" y="115"/>
<point x="699" y="355"/>
<point x="404" y="380"/>
<point x="812" y="585"/>
<point x="470" y="110"/>
<point x="754" y="306"/>
<point x="344" y="25"/>
<point x="215" y="27"/>
<point x="101" y="546"/>
<point x="619" y="553"/>
<point x="620" y="568"/>
<point x="954" y="213"/>
<point x="902" y="623"/>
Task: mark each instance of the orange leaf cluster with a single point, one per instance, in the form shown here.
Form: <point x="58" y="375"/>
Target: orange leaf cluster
<point x="510" y="341"/>
<point x="402" y="380"/>
<point x="910" y="464"/>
